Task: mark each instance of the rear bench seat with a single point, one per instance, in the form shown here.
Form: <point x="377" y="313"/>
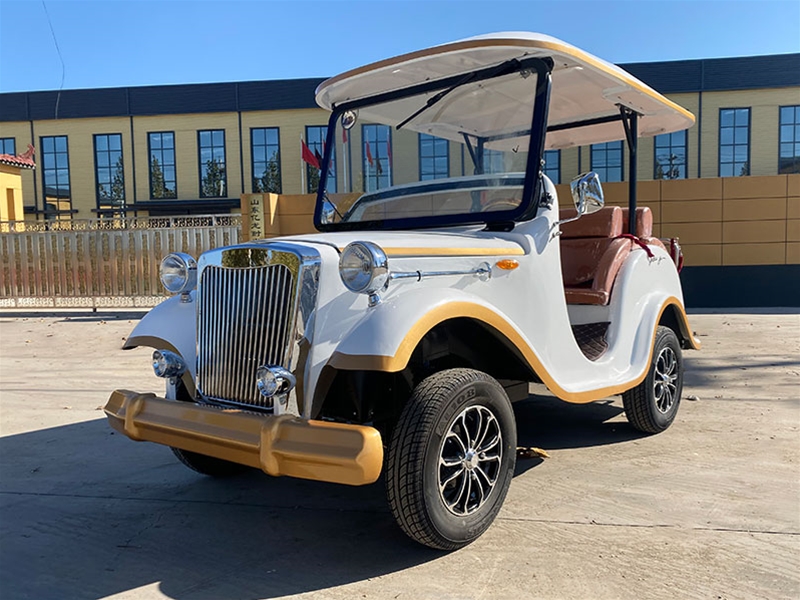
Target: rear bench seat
<point x="591" y="254"/>
<point x="592" y="251"/>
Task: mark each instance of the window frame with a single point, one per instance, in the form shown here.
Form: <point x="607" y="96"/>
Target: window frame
<point x="749" y="110"/>
<point x="224" y="161"/>
<point x="318" y="145"/>
<point x="97" y="167"/>
<point x="388" y="157"/>
<point x="266" y="159"/>
<point x="794" y="142"/>
<point x="3" y="141"/>
<point x="605" y="149"/>
<point x="685" y="151"/>
<point x="45" y="169"/>
<point x="558" y="166"/>
<point x="434" y="156"/>
<point x="150" y="163"/>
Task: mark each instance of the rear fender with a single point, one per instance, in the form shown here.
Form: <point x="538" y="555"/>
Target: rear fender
<point x="171" y="325"/>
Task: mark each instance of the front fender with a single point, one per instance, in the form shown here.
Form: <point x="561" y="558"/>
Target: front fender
<point x="171" y="325"/>
<point x="386" y="338"/>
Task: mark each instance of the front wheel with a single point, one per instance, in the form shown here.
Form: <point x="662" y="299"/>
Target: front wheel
<point x="451" y="458"/>
<point x="652" y="405"/>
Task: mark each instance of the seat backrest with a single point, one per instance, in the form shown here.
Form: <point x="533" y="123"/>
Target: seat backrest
<point x="605" y="223"/>
<point x="644" y="221"/>
<point x="585" y="241"/>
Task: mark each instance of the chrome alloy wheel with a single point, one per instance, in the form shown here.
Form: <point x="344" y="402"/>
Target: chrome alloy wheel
<point x="665" y="379"/>
<point x="469" y="460"/>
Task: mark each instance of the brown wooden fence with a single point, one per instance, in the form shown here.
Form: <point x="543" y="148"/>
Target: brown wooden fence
<point x="100" y="262"/>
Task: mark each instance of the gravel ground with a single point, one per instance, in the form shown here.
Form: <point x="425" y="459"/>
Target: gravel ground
<point x="708" y="509"/>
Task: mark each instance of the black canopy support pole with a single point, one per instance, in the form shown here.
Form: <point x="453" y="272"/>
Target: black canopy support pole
<point x="630" y="120"/>
<point x="471" y="149"/>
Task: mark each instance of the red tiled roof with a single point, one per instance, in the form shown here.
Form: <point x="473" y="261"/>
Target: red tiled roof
<point x="24" y="161"/>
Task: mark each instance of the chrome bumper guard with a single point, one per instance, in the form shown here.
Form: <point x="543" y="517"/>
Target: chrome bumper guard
<point x="278" y="445"/>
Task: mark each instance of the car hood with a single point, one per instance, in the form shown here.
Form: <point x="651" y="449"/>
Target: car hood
<point x="451" y="242"/>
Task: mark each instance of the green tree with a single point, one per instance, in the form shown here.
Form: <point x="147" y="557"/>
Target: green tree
<point x="213" y="183"/>
<point x="118" y="184"/>
<point x="313" y="179"/>
<point x="158" y="184"/>
<point x="270" y="179"/>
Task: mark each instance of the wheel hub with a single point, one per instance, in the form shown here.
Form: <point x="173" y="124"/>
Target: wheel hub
<point x="469" y="460"/>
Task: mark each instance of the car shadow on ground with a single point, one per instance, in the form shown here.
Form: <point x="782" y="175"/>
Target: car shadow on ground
<point x="88" y="513"/>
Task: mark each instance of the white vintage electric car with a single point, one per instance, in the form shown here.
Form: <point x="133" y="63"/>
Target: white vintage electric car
<point x="396" y="338"/>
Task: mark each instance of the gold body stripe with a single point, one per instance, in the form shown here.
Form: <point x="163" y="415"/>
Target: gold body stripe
<point x="454" y="310"/>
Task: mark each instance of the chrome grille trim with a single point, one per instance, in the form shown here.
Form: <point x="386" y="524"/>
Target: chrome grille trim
<point x="245" y="319"/>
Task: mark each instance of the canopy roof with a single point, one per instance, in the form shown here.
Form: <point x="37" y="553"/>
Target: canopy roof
<point x="584" y="87"/>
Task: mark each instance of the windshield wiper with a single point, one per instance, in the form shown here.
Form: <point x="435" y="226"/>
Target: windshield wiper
<point x="508" y="66"/>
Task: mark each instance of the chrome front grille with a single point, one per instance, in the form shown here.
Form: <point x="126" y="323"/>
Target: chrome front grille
<point x="245" y="320"/>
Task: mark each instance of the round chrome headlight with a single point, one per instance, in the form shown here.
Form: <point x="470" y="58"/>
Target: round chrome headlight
<point x="364" y="267"/>
<point x="178" y="272"/>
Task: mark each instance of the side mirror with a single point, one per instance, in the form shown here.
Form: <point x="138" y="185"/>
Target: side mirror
<point x="328" y="213"/>
<point x="587" y="193"/>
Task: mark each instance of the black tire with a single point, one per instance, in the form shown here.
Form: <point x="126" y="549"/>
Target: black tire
<point x="426" y="430"/>
<point x="208" y="465"/>
<point x="652" y="405"/>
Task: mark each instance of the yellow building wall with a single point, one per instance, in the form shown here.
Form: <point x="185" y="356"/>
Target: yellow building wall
<point x="187" y="169"/>
<point x="11" y="193"/>
<point x="764" y="106"/>
<point x="21" y="132"/>
<point x="292" y="124"/>
<point x="764" y="126"/>
<point x="721" y="221"/>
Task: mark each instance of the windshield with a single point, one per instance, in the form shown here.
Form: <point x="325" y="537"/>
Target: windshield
<point x="449" y="155"/>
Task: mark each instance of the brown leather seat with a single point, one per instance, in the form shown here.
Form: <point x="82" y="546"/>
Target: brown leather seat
<point x="644" y="226"/>
<point x="592" y="253"/>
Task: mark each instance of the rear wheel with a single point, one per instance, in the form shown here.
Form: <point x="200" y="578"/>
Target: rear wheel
<point x="652" y="405"/>
<point x="451" y="458"/>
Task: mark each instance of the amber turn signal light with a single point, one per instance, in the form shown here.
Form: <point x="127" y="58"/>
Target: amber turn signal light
<point x="507" y="264"/>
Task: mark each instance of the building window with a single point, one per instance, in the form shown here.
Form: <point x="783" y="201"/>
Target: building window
<point x="8" y="146"/>
<point x="377" y="156"/>
<point x="552" y="165"/>
<point x="434" y="157"/>
<point x="606" y="160"/>
<point x="161" y="149"/>
<point x="315" y="140"/>
<point x="789" y="159"/>
<point x="108" y="170"/>
<point x="493" y="161"/>
<point x="213" y="179"/>
<point x="55" y="173"/>
<point x="734" y="142"/>
<point x="265" y="151"/>
<point x="670" y="156"/>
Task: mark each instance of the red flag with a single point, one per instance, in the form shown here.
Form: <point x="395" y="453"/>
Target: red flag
<point x="369" y="155"/>
<point x="307" y="155"/>
<point x="379" y="168"/>
<point x="318" y="157"/>
<point x="389" y="152"/>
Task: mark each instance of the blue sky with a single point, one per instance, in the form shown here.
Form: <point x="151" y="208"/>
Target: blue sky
<point x="120" y="43"/>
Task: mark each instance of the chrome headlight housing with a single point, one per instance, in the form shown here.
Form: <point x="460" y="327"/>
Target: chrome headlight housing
<point x="178" y="273"/>
<point x="364" y="267"/>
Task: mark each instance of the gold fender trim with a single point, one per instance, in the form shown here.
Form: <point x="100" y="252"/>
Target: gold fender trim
<point x="453" y="310"/>
<point x="278" y="445"/>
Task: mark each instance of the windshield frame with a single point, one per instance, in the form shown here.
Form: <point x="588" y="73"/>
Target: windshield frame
<point x="493" y="220"/>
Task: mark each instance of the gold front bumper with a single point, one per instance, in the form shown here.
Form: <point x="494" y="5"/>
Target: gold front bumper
<point x="278" y="445"/>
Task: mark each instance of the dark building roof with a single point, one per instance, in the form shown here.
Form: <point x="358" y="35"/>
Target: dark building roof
<point x="709" y="74"/>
